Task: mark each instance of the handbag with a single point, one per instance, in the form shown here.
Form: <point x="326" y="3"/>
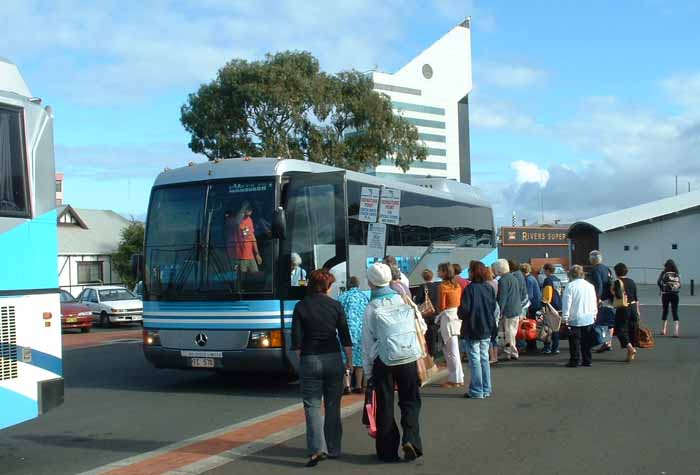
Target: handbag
<point x="527" y="330"/>
<point x="427" y="309"/>
<point x="425" y="362"/>
<point x="645" y="337"/>
<point x="369" y="415"/>
<point x="552" y="318"/>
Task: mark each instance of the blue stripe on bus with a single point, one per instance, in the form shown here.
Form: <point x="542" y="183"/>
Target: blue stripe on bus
<point x="238" y="306"/>
<point x="16" y="408"/>
<point x="32" y="245"/>
<point x="222" y="317"/>
<point x="43" y="360"/>
<point x="210" y="326"/>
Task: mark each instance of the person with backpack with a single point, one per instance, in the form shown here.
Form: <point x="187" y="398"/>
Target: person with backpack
<point x="626" y="305"/>
<point x="317" y="324"/>
<point x="551" y="294"/>
<point x="669" y="283"/>
<point x="602" y="279"/>
<point x="390" y="350"/>
<point x="450" y="295"/>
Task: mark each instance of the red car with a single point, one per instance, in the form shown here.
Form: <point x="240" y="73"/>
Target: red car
<point x="74" y="314"/>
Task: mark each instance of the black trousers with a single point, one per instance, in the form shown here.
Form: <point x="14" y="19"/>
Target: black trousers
<point x="626" y="325"/>
<point x="580" y="343"/>
<point x="405" y="377"/>
<point x="671" y="299"/>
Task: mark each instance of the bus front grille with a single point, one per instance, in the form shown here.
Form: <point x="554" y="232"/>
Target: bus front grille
<point x="8" y="344"/>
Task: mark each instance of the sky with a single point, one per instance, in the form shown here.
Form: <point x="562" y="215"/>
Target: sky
<point x="578" y="108"/>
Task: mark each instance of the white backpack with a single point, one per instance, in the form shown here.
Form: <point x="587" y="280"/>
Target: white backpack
<point x="396" y="334"/>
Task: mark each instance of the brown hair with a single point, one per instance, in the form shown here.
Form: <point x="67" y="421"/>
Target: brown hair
<point x="457" y="268"/>
<point x="390" y="261"/>
<point x="427" y="275"/>
<point x="489" y="273"/>
<point x="448" y="274"/>
<point x="353" y="282"/>
<point x="513" y="265"/>
<point x="548" y="267"/>
<point x="320" y="281"/>
<point x="478" y="272"/>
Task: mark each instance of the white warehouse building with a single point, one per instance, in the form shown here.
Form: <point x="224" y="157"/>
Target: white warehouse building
<point x="431" y="92"/>
<point x="644" y="237"/>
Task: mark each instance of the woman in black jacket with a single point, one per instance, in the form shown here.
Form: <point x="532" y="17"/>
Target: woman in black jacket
<point x="477" y="312"/>
<point x="317" y="323"/>
<point x="429" y="290"/>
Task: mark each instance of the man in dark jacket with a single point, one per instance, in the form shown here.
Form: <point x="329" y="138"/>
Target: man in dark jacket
<point x="477" y="312"/>
<point x="511" y="305"/>
<point x="602" y="279"/>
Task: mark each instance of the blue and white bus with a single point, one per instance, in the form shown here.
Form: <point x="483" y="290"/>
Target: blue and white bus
<point x="219" y="287"/>
<point x="30" y="317"/>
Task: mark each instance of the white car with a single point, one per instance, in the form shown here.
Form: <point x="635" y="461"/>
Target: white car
<point x="112" y="304"/>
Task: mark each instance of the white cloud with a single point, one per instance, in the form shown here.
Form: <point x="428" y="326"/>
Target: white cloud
<point x="528" y="172"/>
<point x="684" y="89"/>
<point x="508" y="76"/>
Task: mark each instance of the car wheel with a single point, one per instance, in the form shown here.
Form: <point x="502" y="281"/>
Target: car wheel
<point x="85" y="330"/>
<point x="104" y="320"/>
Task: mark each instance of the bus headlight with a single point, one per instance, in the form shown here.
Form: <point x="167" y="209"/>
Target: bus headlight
<point x="151" y="337"/>
<point x="267" y="339"/>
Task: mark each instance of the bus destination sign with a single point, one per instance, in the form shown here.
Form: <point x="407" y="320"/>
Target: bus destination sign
<point x="531" y="236"/>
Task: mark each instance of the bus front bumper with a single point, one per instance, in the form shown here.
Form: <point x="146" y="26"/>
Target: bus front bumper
<point x="268" y="360"/>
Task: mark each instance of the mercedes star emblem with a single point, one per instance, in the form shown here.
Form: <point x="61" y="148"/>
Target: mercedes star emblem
<point x="201" y="339"/>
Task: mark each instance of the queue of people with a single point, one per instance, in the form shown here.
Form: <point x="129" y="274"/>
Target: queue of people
<point x="380" y="340"/>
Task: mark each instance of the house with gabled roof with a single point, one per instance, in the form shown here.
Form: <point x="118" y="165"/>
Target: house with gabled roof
<point x="87" y="238"/>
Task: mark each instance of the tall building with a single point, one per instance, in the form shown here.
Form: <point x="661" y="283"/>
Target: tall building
<point x="431" y="92"/>
<point x="59" y="189"/>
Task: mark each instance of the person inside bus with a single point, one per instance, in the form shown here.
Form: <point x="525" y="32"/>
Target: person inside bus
<point x="298" y="276"/>
<point x="241" y="245"/>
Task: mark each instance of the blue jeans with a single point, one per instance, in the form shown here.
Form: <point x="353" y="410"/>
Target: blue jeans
<point x="480" y="384"/>
<point x="321" y="376"/>
<point x="553" y="345"/>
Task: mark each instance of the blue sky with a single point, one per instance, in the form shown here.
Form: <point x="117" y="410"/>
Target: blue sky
<point x="581" y="101"/>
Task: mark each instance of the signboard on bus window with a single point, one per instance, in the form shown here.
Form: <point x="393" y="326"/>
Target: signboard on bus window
<point x="390" y="206"/>
<point x="532" y="236"/>
<point x="369" y="204"/>
<point x="376" y="240"/>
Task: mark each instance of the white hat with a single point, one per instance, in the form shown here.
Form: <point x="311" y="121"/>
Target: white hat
<point x="379" y="274"/>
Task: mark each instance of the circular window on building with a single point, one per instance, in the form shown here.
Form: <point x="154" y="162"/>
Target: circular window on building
<point x="427" y="71"/>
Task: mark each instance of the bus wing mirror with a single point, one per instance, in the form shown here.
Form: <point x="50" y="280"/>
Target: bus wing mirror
<point x="279" y="224"/>
<point x="137" y="266"/>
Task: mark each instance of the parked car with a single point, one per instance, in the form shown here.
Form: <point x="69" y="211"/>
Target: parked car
<point x="559" y="272"/>
<point x="112" y="304"/>
<point x="74" y="314"/>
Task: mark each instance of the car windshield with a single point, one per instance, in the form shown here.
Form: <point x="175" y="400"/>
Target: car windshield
<point x="213" y="238"/>
<point x="67" y="298"/>
<point x="110" y="295"/>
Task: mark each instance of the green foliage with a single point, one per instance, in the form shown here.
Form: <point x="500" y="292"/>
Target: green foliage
<point x="285" y="106"/>
<point x="131" y="243"/>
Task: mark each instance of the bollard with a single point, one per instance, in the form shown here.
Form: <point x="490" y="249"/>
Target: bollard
<point x="692" y="287"/>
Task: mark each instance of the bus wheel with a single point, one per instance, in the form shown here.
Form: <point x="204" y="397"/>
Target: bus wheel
<point x="104" y="320"/>
<point x="85" y="330"/>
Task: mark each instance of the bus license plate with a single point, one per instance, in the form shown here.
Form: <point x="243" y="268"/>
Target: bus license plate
<point x="202" y="362"/>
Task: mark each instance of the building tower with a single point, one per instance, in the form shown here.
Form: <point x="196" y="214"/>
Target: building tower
<point x="431" y="92"/>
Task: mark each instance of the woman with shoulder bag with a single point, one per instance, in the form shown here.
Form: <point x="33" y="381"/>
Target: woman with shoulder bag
<point x="450" y="296"/>
<point x="427" y="301"/>
<point x="626" y="306"/>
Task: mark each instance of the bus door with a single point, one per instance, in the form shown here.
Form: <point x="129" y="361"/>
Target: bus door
<point x="316" y="234"/>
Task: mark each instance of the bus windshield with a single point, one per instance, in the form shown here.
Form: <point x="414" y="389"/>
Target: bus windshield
<point x="210" y="239"/>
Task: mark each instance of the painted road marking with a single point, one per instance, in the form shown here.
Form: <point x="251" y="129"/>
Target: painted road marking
<point x="206" y="452"/>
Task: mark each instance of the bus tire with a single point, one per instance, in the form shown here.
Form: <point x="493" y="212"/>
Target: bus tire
<point x="85" y="330"/>
<point x="104" y="320"/>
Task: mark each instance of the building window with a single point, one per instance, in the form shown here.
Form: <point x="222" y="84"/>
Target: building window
<point x="441" y="152"/>
<point x="674" y="247"/>
<point x="59" y="186"/>
<point x="90" y="272"/>
<point x="403" y="90"/>
<point x="426" y="123"/>
<point x="432" y="137"/>
<point x="627" y="248"/>
<point x="405" y="106"/>
<point x="427" y="71"/>
<point x="14" y="187"/>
